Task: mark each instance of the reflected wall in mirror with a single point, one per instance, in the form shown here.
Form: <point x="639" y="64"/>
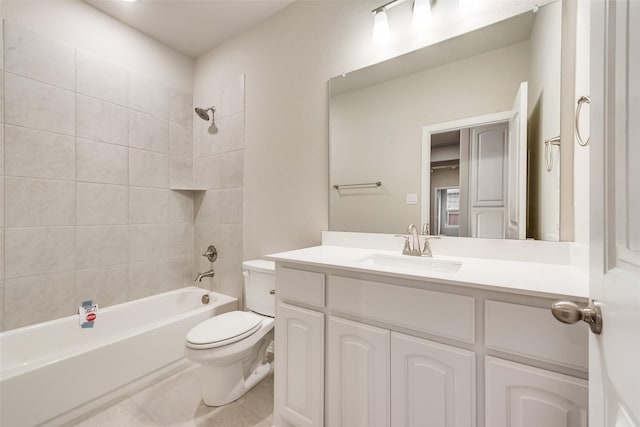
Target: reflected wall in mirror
<point x="386" y="119"/>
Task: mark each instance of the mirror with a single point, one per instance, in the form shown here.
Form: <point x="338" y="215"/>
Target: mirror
<point x="404" y="130"/>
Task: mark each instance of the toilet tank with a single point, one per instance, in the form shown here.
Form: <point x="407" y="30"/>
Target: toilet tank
<point x="259" y="282"/>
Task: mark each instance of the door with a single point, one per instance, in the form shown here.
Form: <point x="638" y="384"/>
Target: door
<point x="523" y="396"/>
<point x="615" y="212"/>
<point x="299" y="391"/>
<point x="488" y="180"/>
<point x="517" y="153"/>
<point x="432" y="384"/>
<point x="358" y="374"/>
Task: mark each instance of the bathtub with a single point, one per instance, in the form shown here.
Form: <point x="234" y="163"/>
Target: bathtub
<point x="54" y="372"/>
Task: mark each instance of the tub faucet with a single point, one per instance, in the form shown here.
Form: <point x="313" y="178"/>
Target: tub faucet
<point x="201" y="276"/>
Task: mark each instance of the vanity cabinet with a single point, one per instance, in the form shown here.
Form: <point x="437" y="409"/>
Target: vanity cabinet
<point x="299" y="343"/>
<point x="410" y="352"/>
<point x="357" y="374"/>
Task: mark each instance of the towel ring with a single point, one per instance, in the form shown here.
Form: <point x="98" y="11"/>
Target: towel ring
<point x="583" y="99"/>
<point x="548" y="155"/>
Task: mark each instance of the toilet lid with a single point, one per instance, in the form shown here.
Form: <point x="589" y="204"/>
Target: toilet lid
<point x="223" y="329"/>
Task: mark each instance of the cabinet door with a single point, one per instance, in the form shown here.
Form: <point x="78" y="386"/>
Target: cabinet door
<point x="299" y="380"/>
<point x="522" y="396"/>
<point x="358" y="375"/>
<point x="432" y="384"/>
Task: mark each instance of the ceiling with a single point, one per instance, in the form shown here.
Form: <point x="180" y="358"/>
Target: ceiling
<point x="192" y="27"/>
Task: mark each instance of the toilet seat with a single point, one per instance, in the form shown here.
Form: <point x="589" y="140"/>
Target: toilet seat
<point x="223" y="329"/>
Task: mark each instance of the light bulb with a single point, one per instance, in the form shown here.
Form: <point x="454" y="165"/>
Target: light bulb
<point x="421" y="13"/>
<point x="380" y="27"/>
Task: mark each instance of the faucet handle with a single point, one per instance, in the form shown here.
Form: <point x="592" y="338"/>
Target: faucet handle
<point x="426" y="230"/>
<point x="211" y="254"/>
<point x="407" y="246"/>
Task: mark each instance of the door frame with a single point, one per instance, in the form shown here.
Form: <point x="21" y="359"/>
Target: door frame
<point x="427" y="131"/>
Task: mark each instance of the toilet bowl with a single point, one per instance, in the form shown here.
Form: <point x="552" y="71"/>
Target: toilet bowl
<point x="232" y="347"/>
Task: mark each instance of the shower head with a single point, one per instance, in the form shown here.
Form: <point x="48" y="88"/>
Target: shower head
<point x="203" y="113"/>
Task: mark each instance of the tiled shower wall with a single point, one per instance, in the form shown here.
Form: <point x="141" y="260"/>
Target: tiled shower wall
<point x="89" y="153"/>
<point x="219" y="168"/>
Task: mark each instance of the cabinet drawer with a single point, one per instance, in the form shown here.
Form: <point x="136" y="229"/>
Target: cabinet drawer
<point x="437" y="313"/>
<point x="300" y="286"/>
<point x="520" y="329"/>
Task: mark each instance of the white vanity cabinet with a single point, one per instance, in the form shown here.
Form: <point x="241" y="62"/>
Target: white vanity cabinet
<point x="400" y="352"/>
<point x="299" y="343"/>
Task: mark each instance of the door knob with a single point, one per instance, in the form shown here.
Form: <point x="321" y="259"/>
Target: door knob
<point x="569" y="312"/>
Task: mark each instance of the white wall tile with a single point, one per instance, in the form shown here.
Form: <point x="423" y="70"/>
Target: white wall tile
<point x="231" y="129"/>
<point x="37" y="57"/>
<point x="231" y="96"/>
<point x="180" y="140"/>
<point x="148" y="242"/>
<point x="180" y="172"/>
<point x="207" y="206"/>
<point x="101" y="120"/>
<point x="148" y="169"/>
<point x="100" y="79"/>
<point x="148" y="205"/>
<point x="148" y="96"/>
<point x="207" y="172"/>
<point x="38" y="250"/>
<point x="36" y="105"/>
<point x="180" y="273"/>
<point x="208" y="139"/>
<point x="148" y="278"/>
<point x="105" y="286"/>
<point x="232" y="169"/>
<point x="148" y="132"/>
<point x="181" y="207"/>
<point x="39" y="202"/>
<point x="38" y="154"/>
<point x="102" y="245"/>
<point x="228" y="277"/>
<point x="102" y="162"/>
<point x="39" y="298"/>
<point x="180" y="240"/>
<point x="180" y="107"/>
<point x="230" y="205"/>
<point x="101" y="204"/>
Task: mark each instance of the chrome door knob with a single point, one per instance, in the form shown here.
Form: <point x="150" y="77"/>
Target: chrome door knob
<point x="569" y="312"/>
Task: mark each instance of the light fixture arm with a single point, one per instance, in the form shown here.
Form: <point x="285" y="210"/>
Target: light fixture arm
<point x="386" y="6"/>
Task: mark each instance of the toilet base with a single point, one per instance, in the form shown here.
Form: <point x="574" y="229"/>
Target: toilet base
<point x="230" y="383"/>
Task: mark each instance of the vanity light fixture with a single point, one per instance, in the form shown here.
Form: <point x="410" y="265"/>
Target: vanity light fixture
<point x="421" y="15"/>
<point x="380" y="26"/>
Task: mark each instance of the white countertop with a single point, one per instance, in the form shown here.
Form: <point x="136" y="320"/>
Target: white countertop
<point x="522" y="277"/>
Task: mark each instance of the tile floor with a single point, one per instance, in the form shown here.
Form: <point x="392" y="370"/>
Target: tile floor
<point x="176" y="402"/>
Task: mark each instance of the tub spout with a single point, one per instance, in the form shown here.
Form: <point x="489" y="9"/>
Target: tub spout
<point x="201" y="276"/>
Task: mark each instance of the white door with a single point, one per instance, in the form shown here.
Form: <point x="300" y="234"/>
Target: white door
<point x="488" y="180"/>
<point x="299" y="391"/>
<point x="614" y="376"/>
<point x="518" y="395"/>
<point x="517" y="152"/>
<point x="432" y="384"/>
<point x="358" y="374"/>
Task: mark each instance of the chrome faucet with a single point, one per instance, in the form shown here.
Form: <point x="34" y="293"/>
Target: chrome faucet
<point x="413" y="247"/>
<point x="201" y="276"/>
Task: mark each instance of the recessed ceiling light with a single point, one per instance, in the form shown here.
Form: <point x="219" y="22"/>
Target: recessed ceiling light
<point x="131" y="1"/>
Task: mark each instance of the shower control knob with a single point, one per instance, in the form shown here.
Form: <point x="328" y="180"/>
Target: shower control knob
<point x="211" y="253"/>
<point x="569" y="312"/>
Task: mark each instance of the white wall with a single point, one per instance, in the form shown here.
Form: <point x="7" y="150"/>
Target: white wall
<point x="82" y="26"/>
<point x="544" y="123"/>
<point x="287" y="60"/>
<point x="376" y="132"/>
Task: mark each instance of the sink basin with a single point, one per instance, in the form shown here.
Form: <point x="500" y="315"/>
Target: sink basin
<point x="411" y="263"/>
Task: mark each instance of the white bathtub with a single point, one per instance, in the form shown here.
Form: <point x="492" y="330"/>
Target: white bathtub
<point x="53" y="372"/>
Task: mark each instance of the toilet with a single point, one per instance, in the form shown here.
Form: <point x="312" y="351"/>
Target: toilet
<point x="232" y="347"/>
